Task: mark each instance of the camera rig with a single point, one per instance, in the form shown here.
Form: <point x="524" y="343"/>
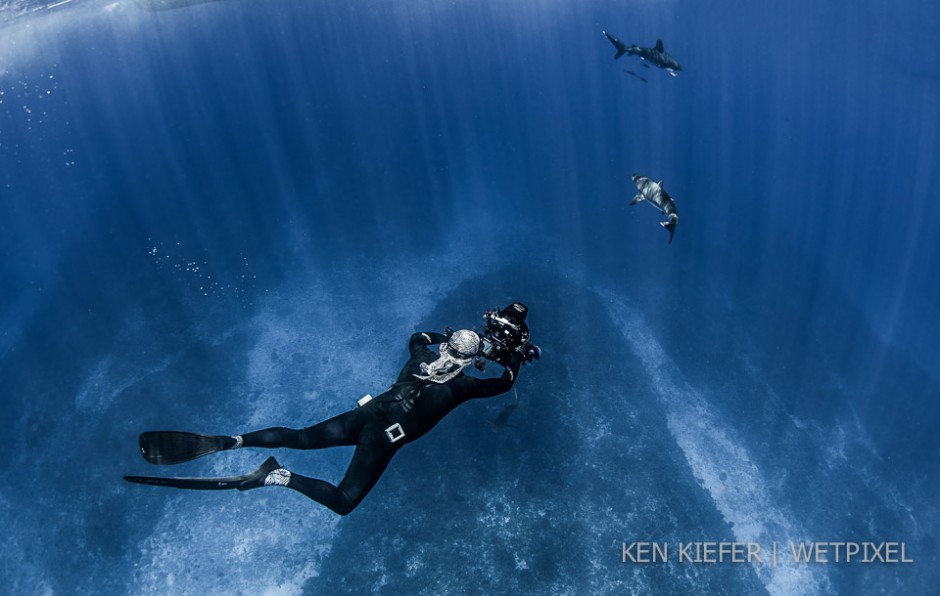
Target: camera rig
<point x="504" y="333"/>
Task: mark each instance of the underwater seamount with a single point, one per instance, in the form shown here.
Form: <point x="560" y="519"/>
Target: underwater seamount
<point x="222" y="217"/>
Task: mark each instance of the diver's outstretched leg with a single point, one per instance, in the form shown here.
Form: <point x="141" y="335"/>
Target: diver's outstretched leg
<point x="338" y="431"/>
<point x="174" y="447"/>
<point x="373" y="453"/>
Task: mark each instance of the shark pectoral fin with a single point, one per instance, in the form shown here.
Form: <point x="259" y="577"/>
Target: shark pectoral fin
<point x="619" y="54"/>
<point x="637" y="199"/>
<point x="672" y="72"/>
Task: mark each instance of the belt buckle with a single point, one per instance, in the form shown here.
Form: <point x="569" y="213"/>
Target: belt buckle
<point x="395" y="433"/>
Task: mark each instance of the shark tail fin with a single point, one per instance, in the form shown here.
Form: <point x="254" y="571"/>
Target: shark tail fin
<point x="637" y="199"/>
<point x="617" y="44"/>
<point x="659" y="45"/>
<point x="670" y="225"/>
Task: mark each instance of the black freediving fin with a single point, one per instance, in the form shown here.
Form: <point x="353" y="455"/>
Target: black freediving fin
<point x="174" y="447"/>
<point x="245" y="482"/>
<point x="190" y="483"/>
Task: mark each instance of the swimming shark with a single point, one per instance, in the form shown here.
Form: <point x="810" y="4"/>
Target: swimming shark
<point x="656" y="56"/>
<point x="656" y="195"/>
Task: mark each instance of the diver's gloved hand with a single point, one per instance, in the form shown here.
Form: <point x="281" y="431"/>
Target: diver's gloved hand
<point x="532" y="352"/>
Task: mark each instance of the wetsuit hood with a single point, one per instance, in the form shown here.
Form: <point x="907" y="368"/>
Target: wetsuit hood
<point x="464" y="343"/>
<point x="456" y="355"/>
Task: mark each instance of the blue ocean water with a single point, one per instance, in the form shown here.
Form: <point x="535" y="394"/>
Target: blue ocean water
<point x="225" y="216"/>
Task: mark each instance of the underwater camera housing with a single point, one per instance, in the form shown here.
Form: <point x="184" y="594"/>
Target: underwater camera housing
<point x="504" y="333"/>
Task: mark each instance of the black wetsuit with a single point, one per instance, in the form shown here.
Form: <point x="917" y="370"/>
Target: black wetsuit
<point x="415" y="405"/>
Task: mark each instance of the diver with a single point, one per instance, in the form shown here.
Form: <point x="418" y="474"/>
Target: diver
<point x="429" y="387"/>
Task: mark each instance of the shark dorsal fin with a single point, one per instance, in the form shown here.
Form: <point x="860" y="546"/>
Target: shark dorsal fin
<point x="659" y="45"/>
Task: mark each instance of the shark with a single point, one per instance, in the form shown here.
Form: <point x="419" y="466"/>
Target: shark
<point x="654" y="193"/>
<point x="657" y="55"/>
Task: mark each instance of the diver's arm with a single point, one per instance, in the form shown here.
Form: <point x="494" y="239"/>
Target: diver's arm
<point x="420" y="341"/>
<point x="499" y="385"/>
